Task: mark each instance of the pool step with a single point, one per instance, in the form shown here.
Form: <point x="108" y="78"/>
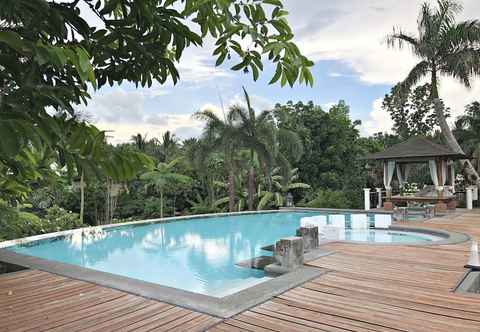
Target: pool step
<point x="270" y="247"/>
<point x="258" y="263"/>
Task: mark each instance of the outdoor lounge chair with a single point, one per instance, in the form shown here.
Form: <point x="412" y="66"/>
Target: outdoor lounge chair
<point x="383" y="220"/>
<point x="359" y="221"/>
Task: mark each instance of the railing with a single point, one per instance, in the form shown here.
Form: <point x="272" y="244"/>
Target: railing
<point x="461" y="198"/>
<point x="374" y="197"/>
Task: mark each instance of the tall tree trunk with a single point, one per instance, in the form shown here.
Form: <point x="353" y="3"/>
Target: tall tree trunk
<point x="82" y="196"/>
<point x="161" y="203"/>
<point x="174" y="202"/>
<point x="447" y="132"/>
<point x="251" y="187"/>
<point x="231" y="191"/>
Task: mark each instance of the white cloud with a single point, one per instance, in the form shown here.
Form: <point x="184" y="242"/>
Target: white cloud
<point x="334" y="74"/>
<point x="457" y="96"/>
<point x="258" y="103"/>
<point x="355" y="32"/>
<point x="327" y="106"/>
<point x="122" y="113"/>
<point x="379" y="120"/>
<point x="197" y="66"/>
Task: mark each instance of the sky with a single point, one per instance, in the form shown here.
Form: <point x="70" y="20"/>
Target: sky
<point x="345" y="39"/>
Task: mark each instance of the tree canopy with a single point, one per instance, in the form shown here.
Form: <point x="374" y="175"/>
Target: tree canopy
<point x="444" y="47"/>
<point x="412" y="112"/>
<point x="51" y="57"/>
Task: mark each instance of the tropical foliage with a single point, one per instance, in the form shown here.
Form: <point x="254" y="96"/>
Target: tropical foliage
<point x="444" y="47"/>
<point x="51" y="56"/>
<point x="57" y="171"/>
<point x="280" y="187"/>
<point x="163" y="178"/>
<point x="412" y="112"/>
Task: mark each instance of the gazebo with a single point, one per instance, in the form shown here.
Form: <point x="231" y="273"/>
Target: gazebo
<point x="398" y="159"/>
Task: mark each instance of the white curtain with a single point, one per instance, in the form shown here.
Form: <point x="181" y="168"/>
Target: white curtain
<point x="388" y="170"/>
<point x="452" y="176"/>
<point x="433" y="172"/>
<point x="402" y="173"/>
<point x="444" y="172"/>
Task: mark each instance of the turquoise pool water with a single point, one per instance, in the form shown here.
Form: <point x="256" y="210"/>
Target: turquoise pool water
<point x="196" y="255"/>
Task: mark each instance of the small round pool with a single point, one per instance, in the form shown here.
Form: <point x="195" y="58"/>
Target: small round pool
<point x="387" y="236"/>
<point x="368" y="228"/>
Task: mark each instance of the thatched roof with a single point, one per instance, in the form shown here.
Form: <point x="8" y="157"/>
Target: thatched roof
<point x="417" y="148"/>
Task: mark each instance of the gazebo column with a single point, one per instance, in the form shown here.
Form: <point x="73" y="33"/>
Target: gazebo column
<point x="388" y="170"/>
<point x="452" y="204"/>
<point x="440" y="206"/>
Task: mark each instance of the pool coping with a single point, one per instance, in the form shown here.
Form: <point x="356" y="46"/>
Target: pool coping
<point x="30" y="239"/>
<point x="465" y="284"/>
<point x="223" y="307"/>
<point x="450" y="237"/>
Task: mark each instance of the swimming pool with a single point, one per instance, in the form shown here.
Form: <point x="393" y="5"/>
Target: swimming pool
<point x="197" y="255"/>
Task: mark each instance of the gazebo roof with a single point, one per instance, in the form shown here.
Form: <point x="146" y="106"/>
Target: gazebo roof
<point x="417" y="148"/>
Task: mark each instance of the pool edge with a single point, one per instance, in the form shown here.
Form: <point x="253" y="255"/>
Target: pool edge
<point x="223" y="307"/>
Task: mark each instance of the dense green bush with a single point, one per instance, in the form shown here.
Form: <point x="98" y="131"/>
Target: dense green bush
<point x="325" y="198"/>
<point x="17" y="224"/>
<point x="58" y="219"/>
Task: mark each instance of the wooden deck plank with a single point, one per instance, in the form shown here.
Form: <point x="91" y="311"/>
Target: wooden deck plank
<point x="378" y="288"/>
<point x="368" y="288"/>
<point x="33" y="300"/>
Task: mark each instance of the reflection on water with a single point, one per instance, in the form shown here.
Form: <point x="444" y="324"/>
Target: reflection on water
<point x="198" y="255"/>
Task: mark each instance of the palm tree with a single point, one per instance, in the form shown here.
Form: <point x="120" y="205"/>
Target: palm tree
<point x="281" y="186"/>
<point x="257" y="134"/>
<point x="140" y="141"/>
<point x="444" y="47"/>
<point x="241" y="195"/>
<point x="467" y="129"/>
<point x="207" y="165"/>
<point x="80" y="151"/>
<point x="221" y="135"/>
<point x="268" y="145"/>
<point x="84" y="151"/>
<point x="169" y="145"/>
<point x="163" y="177"/>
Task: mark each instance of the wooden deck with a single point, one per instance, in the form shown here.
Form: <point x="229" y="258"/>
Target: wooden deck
<point x="32" y="300"/>
<point x="368" y="288"/>
<point x="377" y="288"/>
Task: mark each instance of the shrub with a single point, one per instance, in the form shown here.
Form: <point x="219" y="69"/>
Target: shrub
<point x="325" y="198"/>
<point x="58" y="219"/>
<point x="17" y="224"/>
<point x="151" y="208"/>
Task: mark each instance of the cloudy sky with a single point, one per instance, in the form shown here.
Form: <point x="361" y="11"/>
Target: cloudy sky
<point x="343" y="37"/>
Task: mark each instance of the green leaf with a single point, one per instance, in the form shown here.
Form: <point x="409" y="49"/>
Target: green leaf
<point x="221" y="59"/>
<point x="255" y="71"/>
<point x="13" y="40"/>
<point x="9" y="144"/>
<point x="83" y="59"/>
<point x="273" y="2"/>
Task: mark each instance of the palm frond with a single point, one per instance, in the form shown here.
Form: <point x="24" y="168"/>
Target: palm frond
<point x="398" y="39"/>
<point x="265" y="200"/>
<point x="251" y="111"/>
<point x="299" y="185"/>
<point x="462" y="65"/>
<point x="419" y="71"/>
<point x="290" y="144"/>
